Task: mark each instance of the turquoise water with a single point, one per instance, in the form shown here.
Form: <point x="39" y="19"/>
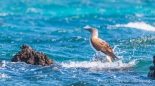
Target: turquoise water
<point x="55" y="27"/>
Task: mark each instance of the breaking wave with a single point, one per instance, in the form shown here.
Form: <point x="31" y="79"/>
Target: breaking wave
<point x="137" y="25"/>
<point x="99" y="65"/>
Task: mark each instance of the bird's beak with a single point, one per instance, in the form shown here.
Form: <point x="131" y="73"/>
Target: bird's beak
<point x="86" y="29"/>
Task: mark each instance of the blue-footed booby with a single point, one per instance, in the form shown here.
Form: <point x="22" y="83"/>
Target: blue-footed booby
<point x="100" y="46"/>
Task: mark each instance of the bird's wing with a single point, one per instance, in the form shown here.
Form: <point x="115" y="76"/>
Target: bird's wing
<point x="102" y="46"/>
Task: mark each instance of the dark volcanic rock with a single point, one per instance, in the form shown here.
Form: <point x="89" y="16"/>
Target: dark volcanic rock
<point x="154" y="60"/>
<point x="29" y="56"/>
<point x="152" y="69"/>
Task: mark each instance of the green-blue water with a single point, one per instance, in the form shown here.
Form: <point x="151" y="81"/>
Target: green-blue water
<point x="55" y="27"/>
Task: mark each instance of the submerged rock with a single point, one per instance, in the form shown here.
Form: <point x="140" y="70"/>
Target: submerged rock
<point x="152" y="69"/>
<point x="30" y="56"/>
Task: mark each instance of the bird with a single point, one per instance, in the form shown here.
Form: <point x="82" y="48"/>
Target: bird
<point x="100" y="46"/>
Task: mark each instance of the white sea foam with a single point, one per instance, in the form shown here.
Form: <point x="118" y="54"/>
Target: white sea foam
<point x="139" y="15"/>
<point x="2" y="75"/>
<point x="34" y="10"/>
<point x="137" y="25"/>
<point x="98" y="65"/>
<point x="2" y="64"/>
<point x="3" y="14"/>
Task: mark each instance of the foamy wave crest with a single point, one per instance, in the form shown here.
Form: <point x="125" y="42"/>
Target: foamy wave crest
<point x="2" y="75"/>
<point x="137" y="25"/>
<point x="98" y="65"/>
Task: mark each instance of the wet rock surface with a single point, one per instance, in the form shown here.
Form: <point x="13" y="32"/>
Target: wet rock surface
<point x="152" y="69"/>
<point x="30" y="56"/>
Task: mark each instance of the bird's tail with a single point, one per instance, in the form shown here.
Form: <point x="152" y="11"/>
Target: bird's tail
<point x="115" y="57"/>
<point x="112" y="58"/>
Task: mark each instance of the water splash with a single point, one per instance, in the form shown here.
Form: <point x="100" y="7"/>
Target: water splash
<point x="137" y="25"/>
<point x="2" y="64"/>
<point x="3" y="75"/>
<point x="98" y="64"/>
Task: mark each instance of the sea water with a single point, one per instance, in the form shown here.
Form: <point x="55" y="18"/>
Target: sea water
<point x="55" y="27"/>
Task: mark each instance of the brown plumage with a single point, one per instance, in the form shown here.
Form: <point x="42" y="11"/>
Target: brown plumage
<point x="102" y="46"/>
<point x="99" y="45"/>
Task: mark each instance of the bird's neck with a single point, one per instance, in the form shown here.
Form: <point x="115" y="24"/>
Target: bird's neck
<point x="94" y="35"/>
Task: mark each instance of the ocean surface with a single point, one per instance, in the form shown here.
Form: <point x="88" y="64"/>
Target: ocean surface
<point x="55" y="27"/>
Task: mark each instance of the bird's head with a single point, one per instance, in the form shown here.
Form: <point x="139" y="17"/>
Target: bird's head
<point x="93" y="31"/>
<point x="90" y="29"/>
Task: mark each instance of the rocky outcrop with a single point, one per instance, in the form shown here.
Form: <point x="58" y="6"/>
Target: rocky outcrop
<point x="29" y="56"/>
<point x="152" y="69"/>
